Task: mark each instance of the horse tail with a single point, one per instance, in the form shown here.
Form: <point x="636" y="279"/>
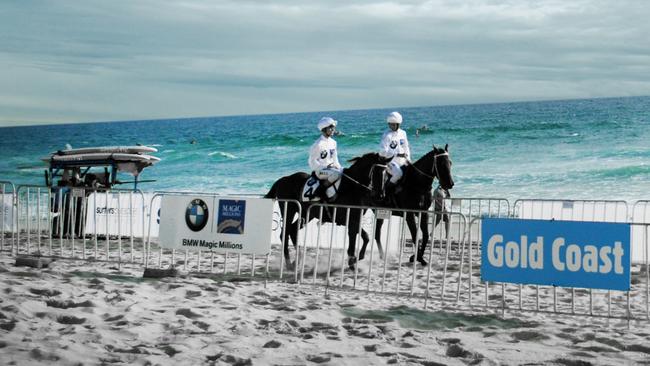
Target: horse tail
<point x="273" y="193"/>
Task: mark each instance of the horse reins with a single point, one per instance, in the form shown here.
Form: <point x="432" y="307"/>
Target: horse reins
<point x="434" y="169"/>
<point x="356" y="182"/>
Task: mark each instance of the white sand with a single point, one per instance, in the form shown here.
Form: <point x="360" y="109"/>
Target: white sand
<point x="91" y="313"/>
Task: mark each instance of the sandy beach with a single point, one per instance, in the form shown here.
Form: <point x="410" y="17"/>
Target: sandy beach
<point x="85" y="313"/>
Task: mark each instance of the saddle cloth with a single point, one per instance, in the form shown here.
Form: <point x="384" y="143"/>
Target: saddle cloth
<point x="309" y="190"/>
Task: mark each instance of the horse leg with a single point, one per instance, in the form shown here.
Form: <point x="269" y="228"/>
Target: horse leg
<point x="413" y="229"/>
<point x="352" y="236"/>
<point x="424" y="227"/>
<point x="378" y="225"/>
<point x="291" y="234"/>
<point x="353" y="230"/>
<point x="366" y="239"/>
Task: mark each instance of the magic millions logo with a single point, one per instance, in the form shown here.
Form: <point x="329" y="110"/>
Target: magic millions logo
<point x="196" y="215"/>
<point x="231" y="217"/>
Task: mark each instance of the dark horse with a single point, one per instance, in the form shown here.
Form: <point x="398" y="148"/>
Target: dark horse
<point x="354" y="190"/>
<point x="414" y="193"/>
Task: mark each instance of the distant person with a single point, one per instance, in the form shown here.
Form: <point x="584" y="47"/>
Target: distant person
<point x="324" y="160"/>
<point x="395" y="146"/>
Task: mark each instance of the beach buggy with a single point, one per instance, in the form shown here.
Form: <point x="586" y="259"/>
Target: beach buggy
<point x="74" y="174"/>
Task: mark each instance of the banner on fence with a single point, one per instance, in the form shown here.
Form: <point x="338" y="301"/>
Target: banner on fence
<point x="7" y="213"/>
<point x="121" y="214"/>
<point x="558" y="253"/>
<point x="216" y="223"/>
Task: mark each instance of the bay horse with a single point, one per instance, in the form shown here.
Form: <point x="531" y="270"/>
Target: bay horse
<point x="353" y="190"/>
<point x="413" y="192"/>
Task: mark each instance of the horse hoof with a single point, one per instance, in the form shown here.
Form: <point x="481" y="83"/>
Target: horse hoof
<point x="290" y="265"/>
<point x="351" y="262"/>
<point x="422" y="261"/>
<point x="361" y="256"/>
<point x="412" y="259"/>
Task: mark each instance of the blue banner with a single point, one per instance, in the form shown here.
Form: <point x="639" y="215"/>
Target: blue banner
<point x="557" y="253"/>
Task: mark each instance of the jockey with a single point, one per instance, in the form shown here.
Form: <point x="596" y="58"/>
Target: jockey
<point x="395" y="146"/>
<point x="324" y="160"/>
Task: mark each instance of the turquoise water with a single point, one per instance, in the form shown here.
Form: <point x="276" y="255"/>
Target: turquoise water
<point x="580" y="149"/>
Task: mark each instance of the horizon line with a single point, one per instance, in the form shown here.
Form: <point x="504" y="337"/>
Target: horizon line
<point x="41" y="124"/>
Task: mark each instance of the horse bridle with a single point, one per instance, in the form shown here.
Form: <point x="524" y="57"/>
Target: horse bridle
<point x="434" y="169"/>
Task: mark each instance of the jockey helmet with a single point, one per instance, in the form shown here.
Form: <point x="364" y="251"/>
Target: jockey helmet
<point x="394" y="117"/>
<point x="326" y="122"/>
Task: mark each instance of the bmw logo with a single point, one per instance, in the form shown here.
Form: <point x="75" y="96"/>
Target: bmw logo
<point x="196" y="215"/>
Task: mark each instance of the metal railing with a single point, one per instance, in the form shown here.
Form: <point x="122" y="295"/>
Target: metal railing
<point x="571" y="210"/>
<point x="80" y="223"/>
<point x="323" y="256"/>
<point x="7" y="215"/>
<point x="632" y="304"/>
<point x="121" y="226"/>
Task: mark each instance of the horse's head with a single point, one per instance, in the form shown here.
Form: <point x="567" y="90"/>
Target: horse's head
<point x="442" y="166"/>
<point x="436" y="164"/>
<point x="361" y="166"/>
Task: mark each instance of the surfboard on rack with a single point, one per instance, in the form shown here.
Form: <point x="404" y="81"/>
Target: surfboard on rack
<point x="108" y="149"/>
<point x="102" y="156"/>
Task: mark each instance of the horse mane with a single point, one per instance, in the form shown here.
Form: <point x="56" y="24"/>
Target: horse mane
<point x="364" y="156"/>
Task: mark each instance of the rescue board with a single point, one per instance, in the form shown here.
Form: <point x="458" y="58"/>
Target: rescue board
<point x="107" y="150"/>
<point x="102" y="156"/>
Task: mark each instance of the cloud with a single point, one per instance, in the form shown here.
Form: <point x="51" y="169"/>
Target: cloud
<point x="70" y="61"/>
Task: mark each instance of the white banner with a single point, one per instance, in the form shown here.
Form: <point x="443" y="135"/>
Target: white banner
<point x="124" y="213"/>
<point x="6" y="213"/>
<point x="221" y="224"/>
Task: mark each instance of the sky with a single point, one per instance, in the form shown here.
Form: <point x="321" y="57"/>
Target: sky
<point x="94" y="60"/>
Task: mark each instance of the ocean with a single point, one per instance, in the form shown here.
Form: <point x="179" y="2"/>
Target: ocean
<point x="570" y="149"/>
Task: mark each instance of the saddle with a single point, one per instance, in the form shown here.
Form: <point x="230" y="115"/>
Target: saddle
<point x="313" y="191"/>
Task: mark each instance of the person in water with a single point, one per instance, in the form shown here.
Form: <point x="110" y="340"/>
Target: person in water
<point x="324" y="159"/>
<point x="394" y="145"/>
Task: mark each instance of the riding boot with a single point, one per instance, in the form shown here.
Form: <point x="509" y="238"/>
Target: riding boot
<point x="389" y="191"/>
<point x="320" y="192"/>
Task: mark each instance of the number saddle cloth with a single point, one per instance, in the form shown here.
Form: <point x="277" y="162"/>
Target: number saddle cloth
<point x="310" y="189"/>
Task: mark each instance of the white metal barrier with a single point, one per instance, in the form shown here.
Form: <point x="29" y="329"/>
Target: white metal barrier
<point x="633" y="304"/>
<point x="7" y="216"/>
<point x="57" y="222"/>
<point x="473" y="207"/>
<point x="388" y="272"/>
<point x="65" y="223"/>
<point x="571" y="210"/>
<point x="586" y="210"/>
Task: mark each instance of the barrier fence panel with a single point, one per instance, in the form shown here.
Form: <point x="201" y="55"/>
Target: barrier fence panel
<point x="325" y="256"/>
<point x="80" y="223"/>
<point x="123" y="226"/>
<point x="571" y="210"/>
<point x="7" y="216"/>
<point x="640" y="215"/>
<point x="633" y="304"/>
<point x="269" y="266"/>
<point x="473" y="207"/>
